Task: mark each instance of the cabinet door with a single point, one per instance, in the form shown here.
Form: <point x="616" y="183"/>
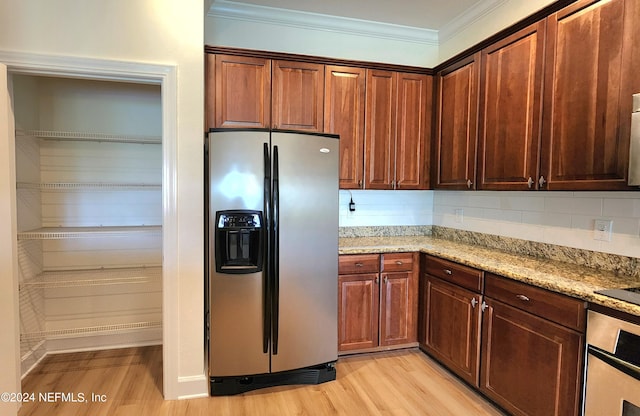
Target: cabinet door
<point x="457" y="113"/>
<point x="358" y="311"/>
<point x="380" y="129"/>
<point x="452" y="326"/>
<point x="591" y="71"/>
<point x="398" y="308"/>
<point x="344" y="115"/>
<point x="510" y="107"/>
<point x="298" y="96"/>
<point x="530" y="366"/>
<point x="242" y="92"/>
<point x="413" y="128"/>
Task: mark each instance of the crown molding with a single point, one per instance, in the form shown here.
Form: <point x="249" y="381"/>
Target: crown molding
<point x="253" y="13"/>
<point x="467" y="18"/>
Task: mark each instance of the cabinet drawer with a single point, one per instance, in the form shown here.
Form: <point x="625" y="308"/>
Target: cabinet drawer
<point x="397" y="262"/>
<point x="555" y="307"/>
<point x="464" y="276"/>
<point x="358" y="263"/>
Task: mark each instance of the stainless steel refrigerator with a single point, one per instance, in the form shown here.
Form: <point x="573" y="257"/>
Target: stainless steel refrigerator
<point x="272" y="202"/>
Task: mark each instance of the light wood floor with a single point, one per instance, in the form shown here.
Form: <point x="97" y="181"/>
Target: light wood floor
<point x="391" y="383"/>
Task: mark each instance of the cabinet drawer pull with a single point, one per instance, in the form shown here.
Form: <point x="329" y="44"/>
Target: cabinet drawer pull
<point x="523" y="298"/>
<point x="399" y="263"/>
<point x="447" y="271"/>
<point x="359" y="264"/>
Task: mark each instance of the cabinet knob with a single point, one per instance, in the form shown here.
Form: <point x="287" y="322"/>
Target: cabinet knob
<point x="530" y="182"/>
<point x="447" y="271"/>
<point x="474" y="302"/>
<point x="360" y="183"/>
<point x="377" y="279"/>
<point x="484" y="306"/>
<point x="541" y="181"/>
<point x="386" y="279"/>
<point x="523" y="298"/>
<point x="469" y="183"/>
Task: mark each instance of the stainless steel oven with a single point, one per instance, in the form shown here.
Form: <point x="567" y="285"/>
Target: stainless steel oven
<point x="612" y="372"/>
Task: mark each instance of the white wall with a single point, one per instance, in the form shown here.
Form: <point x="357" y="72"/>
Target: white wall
<point x="563" y="218"/>
<point x="318" y="40"/>
<point x="381" y="208"/>
<point x="460" y="35"/>
<point x="168" y="32"/>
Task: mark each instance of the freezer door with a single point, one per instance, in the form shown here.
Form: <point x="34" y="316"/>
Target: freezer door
<point x="236" y="176"/>
<point x="308" y="250"/>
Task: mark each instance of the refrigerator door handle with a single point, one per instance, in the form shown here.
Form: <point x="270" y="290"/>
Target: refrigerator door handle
<point x="275" y="247"/>
<point x="266" y="319"/>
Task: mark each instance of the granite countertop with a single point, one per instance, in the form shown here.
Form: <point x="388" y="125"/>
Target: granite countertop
<point x="562" y="277"/>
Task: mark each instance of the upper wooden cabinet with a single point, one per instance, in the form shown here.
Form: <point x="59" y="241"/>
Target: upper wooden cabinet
<point x="242" y="92"/>
<point x="344" y="106"/>
<point x="380" y="129"/>
<point x="298" y="96"/>
<point x="413" y="130"/>
<point x="510" y="109"/>
<point x="396" y="132"/>
<point x="456" y="118"/>
<point x="260" y="93"/>
<point x="593" y="56"/>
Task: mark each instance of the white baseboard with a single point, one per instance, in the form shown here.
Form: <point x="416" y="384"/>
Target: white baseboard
<point x="31" y="359"/>
<point x="193" y="387"/>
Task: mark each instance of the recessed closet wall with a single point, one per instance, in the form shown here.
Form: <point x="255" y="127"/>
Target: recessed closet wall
<point x="89" y="205"/>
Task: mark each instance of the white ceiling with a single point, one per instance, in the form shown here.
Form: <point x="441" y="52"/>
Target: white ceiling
<point x="423" y="14"/>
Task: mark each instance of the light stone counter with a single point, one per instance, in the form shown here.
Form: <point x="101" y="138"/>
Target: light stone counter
<point x="558" y="276"/>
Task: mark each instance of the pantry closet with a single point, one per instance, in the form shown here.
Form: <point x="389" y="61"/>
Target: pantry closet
<point x="89" y="214"/>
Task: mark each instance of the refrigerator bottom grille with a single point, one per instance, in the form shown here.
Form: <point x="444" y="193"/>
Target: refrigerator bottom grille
<point x="227" y="386"/>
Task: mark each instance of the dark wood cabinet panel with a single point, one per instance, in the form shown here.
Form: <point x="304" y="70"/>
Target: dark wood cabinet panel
<point x="242" y="92"/>
<point x="510" y="110"/>
<point x="452" y="327"/>
<point x="456" y="130"/>
<point x="380" y="129"/>
<point x="530" y="366"/>
<point x="377" y="310"/>
<point x="591" y="72"/>
<point x="298" y="96"/>
<point x="398" y="308"/>
<point x="358" y="311"/>
<point x="413" y="128"/>
<point x="344" y="106"/>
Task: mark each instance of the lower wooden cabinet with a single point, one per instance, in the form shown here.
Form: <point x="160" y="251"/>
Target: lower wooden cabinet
<point x="531" y="353"/>
<point x="520" y="345"/>
<point x="450" y="319"/>
<point x="377" y="309"/>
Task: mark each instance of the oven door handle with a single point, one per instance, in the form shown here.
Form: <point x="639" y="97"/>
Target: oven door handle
<point x="615" y="362"/>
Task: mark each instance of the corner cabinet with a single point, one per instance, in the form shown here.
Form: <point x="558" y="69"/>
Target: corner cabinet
<point x="377" y="302"/>
<point x="457" y="125"/>
<point x="593" y="56"/>
<point x="451" y="316"/>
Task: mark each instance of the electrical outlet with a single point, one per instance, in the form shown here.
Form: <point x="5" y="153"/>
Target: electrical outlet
<point x="459" y="215"/>
<point x="602" y="230"/>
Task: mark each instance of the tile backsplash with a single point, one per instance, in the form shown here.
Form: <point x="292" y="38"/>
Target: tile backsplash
<point x="561" y="218"/>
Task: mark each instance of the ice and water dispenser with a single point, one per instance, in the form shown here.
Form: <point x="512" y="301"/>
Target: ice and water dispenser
<point x="239" y="237"/>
